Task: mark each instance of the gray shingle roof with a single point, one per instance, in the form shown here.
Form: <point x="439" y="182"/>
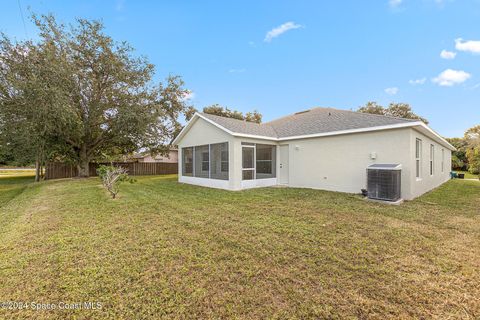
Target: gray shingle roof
<point x="240" y="126"/>
<point x="314" y="121"/>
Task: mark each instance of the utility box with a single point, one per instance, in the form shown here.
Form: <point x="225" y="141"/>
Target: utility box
<point x="384" y="181"/>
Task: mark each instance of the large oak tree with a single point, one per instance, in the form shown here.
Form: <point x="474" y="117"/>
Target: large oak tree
<point x="108" y="106"/>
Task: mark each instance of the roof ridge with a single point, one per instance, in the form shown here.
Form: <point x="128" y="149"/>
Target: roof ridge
<point x="289" y="115"/>
<point x="344" y="110"/>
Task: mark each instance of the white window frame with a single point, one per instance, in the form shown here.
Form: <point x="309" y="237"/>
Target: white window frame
<point x="254" y="162"/>
<point x="271" y="162"/>
<point x="432" y="159"/>
<point x="418" y="158"/>
<point x="193" y="162"/>
<point x="209" y="162"/>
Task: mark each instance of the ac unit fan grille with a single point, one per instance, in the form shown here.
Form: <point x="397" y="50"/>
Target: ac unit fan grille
<point x="384" y="184"/>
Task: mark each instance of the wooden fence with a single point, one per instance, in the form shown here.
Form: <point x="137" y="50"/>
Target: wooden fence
<point x="57" y="170"/>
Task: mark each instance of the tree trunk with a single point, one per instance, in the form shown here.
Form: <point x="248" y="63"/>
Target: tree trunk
<point x="83" y="169"/>
<point x="37" y="169"/>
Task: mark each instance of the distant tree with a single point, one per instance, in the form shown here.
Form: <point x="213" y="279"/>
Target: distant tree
<point x="472" y="136"/>
<point x="218" y="110"/>
<point x="459" y="157"/>
<point x="373" y="108"/>
<point x="473" y="155"/>
<point x="399" y="110"/>
<point x="467" y="155"/>
<point x="254" y="116"/>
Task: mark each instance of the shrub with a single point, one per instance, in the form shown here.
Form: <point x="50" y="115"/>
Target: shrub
<point x="112" y="177"/>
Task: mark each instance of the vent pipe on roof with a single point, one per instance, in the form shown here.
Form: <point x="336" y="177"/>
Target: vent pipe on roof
<point x="304" y="111"/>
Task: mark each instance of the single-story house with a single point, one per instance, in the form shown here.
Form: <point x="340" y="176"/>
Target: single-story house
<point x="321" y="148"/>
<point x="171" y="157"/>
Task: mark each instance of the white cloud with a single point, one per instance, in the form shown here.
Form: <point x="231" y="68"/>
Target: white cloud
<point x="451" y="77"/>
<point x="242" y="70"/>
<point x="391" y="91"/>
<point x="394" y="3"/>
<point x="417" y="81"/>
<point x="190" y="95"/>
<point x="448" y="54"/>
<point x="472" y="46"/>
<point x="275" y="32"/>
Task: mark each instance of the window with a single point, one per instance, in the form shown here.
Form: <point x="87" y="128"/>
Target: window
<point x="187" y="159"/>
<point x="200" y="158"/>
<point x="224" y="159"/>
<point x="258" y="161"/>
<point x="207" y="161"/>
<point x="418" y="158"/>
<point x="265" y="161"/>
<point x="443" y="160"/>
<point x="248" y="162"/>
<point x="432" y="159"/>
<point x="219" y="161"/>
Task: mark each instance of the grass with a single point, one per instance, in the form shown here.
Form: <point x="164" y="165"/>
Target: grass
<point x="468" y="175"/>
<point x="16" y="172"/>
<point x="167" y="250"/>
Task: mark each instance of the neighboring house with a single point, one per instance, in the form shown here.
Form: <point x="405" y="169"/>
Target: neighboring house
<point x="172" y="157"/>
<point x="321" y="148"/>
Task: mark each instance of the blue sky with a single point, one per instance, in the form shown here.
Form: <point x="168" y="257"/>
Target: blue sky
<point x="280" y="57"/>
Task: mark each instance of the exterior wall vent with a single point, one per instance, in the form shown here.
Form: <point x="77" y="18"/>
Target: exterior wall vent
<point x="384" y="182"/>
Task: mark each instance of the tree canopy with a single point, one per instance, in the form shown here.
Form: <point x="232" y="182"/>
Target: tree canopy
<point x="467" y="155"/>
<point x="472" y="138"/>
<point x="218" y="110"/>
<point x="399" y="110"/>
<point x="78" y="95"/>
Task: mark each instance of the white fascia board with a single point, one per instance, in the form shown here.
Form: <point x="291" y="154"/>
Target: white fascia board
<point x="439" y="137"/>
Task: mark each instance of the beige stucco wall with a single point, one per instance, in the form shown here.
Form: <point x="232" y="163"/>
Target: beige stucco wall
<point x="338" y="163"/>
<point x="427" y="182"/>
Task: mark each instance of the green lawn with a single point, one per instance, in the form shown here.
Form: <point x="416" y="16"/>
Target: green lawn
<point x="166" y="250"/>
<point x="17" y="172"/>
